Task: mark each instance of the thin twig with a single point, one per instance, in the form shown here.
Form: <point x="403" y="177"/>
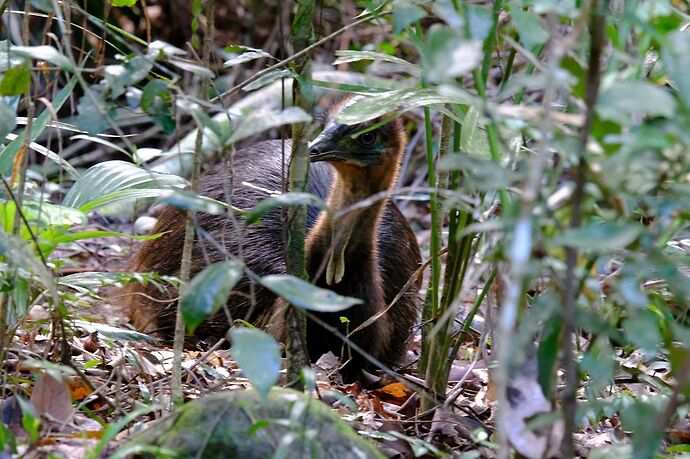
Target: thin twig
<point x="235" y="89"/>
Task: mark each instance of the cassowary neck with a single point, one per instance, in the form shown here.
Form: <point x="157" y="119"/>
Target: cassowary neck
<point x="348" y="241"/>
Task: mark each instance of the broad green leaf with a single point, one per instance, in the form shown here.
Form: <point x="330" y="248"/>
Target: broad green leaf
<point x="16" y="81"/>
<point x="119" y="77"/>
<point x="676" y="56"/>
<point x="120" y="3"/>
<point x="599" y="362"/>
<point x="16" y="251"/>
<point x="481" y="173"/>
<point x="405" y="13"/>
<point x="642" y="330"/>
<point x="400" y="100"/>
<point x="123" y="195"/>
<point x="52" y="237"/>
<point x="345" y="56"/>
<point x="286" y="199"/>
<point x="448" y="54"/>
<point x="42" y="5"/>
<point x="469" y="128"/>
<point x="44" y="53"/>
<point x="623" y="100"/>
<point x="95" y="113"/>
<point x="8" y="119"/>
<point x="46" y="214"/>
<point x="269" y="78"/>
<point x="247" y="54"/>
<point x="258" y="355"/>
<point x="372" y="7"/>
<point x="156" y="101"/>
<point x="37" y="127"/>
<point x="480" y="21"/>
<point x="305" y="295"/>
<point x="159" y="47"/>
<point x="547" y="355"/>
<point x="640" y="418"/>
<point x="88" y="283"/>
<point x="109" y="177"/>
<point x="51" y="155"/>
<point x="208" y="291"/>
<point x="529" y="27"/>
<point x="112" y="332"/>
<point x="185" y="200"/>
<point x="600" y="236"/>
<point x="261" y="120"/>
<point x="193" y="68"/>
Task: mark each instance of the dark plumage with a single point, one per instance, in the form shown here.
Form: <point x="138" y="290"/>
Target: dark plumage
<point x="379" y="257"/>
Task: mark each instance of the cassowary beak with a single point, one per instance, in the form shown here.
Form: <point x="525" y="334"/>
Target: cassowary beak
<point x="324" y="147"/>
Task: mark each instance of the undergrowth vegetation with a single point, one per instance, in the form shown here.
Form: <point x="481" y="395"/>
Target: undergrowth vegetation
<point x="546" y="178"/>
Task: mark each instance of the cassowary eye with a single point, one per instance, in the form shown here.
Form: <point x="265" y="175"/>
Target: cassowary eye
<point x="367" y="139"/>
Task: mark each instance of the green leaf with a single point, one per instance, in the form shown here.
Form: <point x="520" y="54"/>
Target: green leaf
<point x="480" y="20"/>
<point x="623" y="100"/>
<point x="54" y="236"/>
<point x="94" y="114"/>
<point x="38" y="126"/>
<point x="286" y="199"/>
<point x="600" y="236"/>
<point x="106" y="178"/>
<point x="529" y="27"/>
<point x="448" y="54"/>
<point x="8" y="119"/>
<point x="639" y="417"/>
<point x="258" y="355"/>
<point x="248" y="54"/>
<point x="642" y="330"/>
<point x="269" y="78"/>
<point x="481" y="173"/>
<point x="676" y="56"/>
<point x="208" y="291"/>
<point x="547" y="355"/>
<point x="16" y="81"/>
<point x="16" y="251"/>
<point x="44" y="53"/>
<point x="119" y="77"/>
<point x="193" y="68"/>
<point x="305" y="295"/>
<point x="469" y="128"/>
<point x="185" y="200"/>
<point x="120" y="3"/>
<point x="599" y="362"/>
<point x="111" y="332"/>
<point x="400" y="100"/>
<point x="345" y="56"/>
<point x="406" y="13"/>
<point x="262" y="119"/>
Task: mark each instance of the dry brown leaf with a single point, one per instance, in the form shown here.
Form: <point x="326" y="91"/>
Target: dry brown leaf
<point x="396" y="390"/>
<point x="91" y="343"/>
<point x="78" y="389"/>
<point x="52" y="398"/>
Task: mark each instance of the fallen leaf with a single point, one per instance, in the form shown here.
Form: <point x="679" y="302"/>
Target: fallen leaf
<point x="52" y="398"/>
<point x="78" y="389"/>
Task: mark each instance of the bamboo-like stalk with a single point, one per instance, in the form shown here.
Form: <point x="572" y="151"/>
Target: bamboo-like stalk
<point x="302" y="36"/>
<point x="186" y="263"/>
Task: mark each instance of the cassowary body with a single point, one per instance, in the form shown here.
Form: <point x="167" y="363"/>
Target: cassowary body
<point x="369" y="253"/>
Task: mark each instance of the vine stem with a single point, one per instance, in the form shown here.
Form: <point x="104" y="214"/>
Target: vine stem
<point x="597" y="38"/>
